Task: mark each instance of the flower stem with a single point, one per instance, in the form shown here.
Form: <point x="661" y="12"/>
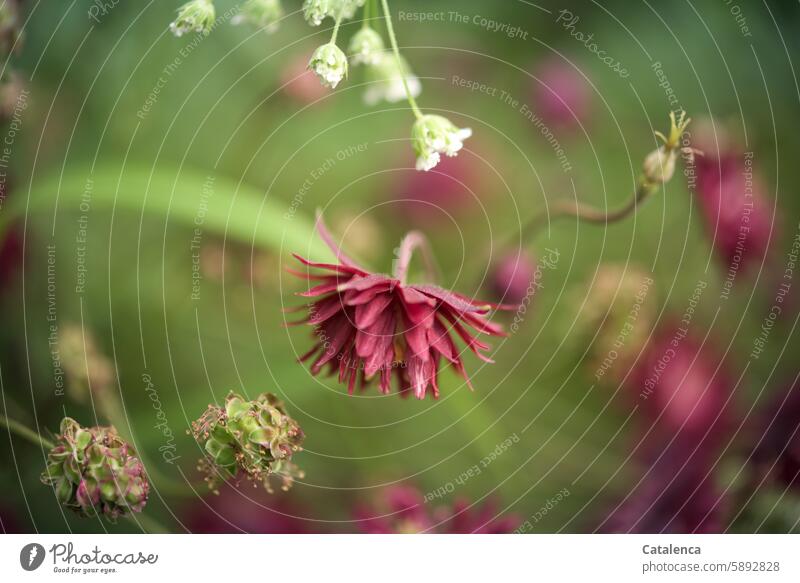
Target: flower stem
<point x="587" y="213"/>
<point x="367" y="11"/>
<point x="23" y="431"/>
<point x="411" y="242"/>
<point x="336" y="28"/>
<point x="390" y="30"/>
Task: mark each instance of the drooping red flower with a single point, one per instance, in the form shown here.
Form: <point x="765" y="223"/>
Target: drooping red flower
<point x="370" y="325"/>
<point x="404" y="510"/>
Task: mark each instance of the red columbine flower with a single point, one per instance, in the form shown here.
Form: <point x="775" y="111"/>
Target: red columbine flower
<point x="369" y="325"/>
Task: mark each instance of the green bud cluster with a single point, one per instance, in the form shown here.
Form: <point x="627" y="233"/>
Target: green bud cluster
<point x="93" y="471"/>
<point x="255" y="439"/>
<point x="195" y="16"/>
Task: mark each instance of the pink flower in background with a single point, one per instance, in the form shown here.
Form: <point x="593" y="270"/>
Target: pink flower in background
<point x="300" y="84"/>
<point x="370" y="325"/>
<point x="561" y="95"/>
<point x="677" y="494"/>
<point x="404" y="510"/>
<point x="429" y="197"/>
<point x="683" y="389"/>
<point x="512" y="276"/>
<point x="776" y="453"/>
<point x="682" y="384"/>
<point x="11" y="250"/>
<point x="734" y="205"/>
<point x="245" y="509"/>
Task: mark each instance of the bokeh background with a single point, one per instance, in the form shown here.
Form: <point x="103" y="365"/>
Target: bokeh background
<point x="155" y="188"/>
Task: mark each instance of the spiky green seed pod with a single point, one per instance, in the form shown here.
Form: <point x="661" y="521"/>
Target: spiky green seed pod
<point x="93" y="471"/>
<point x="255" y="439"/>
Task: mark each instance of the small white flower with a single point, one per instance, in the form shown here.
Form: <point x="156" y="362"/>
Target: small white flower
<point x="330" y="64"/>
<point x="260" y="13"/>
<point x="315" y="11"/>
<point x="194" y="16"/>
<point x="366" y="47"/>
<point x="385" y="81"/>
<point x="434" y="135"/>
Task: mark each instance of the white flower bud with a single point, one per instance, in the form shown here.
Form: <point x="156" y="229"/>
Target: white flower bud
<point x="385" y="81"/>
<point x="366" y="47"/>
<point x="260" y="13"/>
<point x="315" y="11"/>
<point x="330" y="65"/>
<point x="433" y="135"/>
<point x="195" y="16"/>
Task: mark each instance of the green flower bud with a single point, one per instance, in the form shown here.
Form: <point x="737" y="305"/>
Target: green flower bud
<point x="330" y="65"/>
<point x="260" y="13"/>
<point x="433" y="135"/>
<point x="366" y="47"/>
<point x="255" y="439"/>
<point x="195" y="16"/>
<point x="659" y="165"/>
<point x="93" y="471"/>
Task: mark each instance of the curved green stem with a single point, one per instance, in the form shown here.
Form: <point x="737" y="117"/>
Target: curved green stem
<point x="587" y="213"/>
<point x="26" y="432"/>
<point x="390" y="29"/>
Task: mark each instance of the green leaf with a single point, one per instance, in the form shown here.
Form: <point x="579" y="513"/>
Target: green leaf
<point x="216" y="204"/>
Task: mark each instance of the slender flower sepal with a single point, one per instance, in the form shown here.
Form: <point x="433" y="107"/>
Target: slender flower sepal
<point x="366" y="47"/>
<point x="434" y="135"/>
<point x="255" y="439"/>
<point x="263" y="14"/>
<point x="659" y="166"/>
<point x="315" y="11"/>
<point x="385" y="81"/>
<point x="195" y="16"/>
<point x="330" y="65"/>
<point x="370" y="326"/>
<point x="93" y="471"/>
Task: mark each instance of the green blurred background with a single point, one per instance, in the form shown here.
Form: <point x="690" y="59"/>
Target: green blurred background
<point x="222" y="116"/>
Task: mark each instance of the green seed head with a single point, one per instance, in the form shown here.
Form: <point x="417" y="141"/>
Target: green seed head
<point x="255" y="439"/>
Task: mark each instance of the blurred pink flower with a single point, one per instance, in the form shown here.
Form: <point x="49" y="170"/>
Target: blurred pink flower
<point x="776" y="454"/>
<point x="11" y="250"/>
<point x="403" y="510"/>
<point x="426" y="198"/>
<point x="371" y="325"/>
<point x="682" y="383"/>
<point x="684" y="389"/>
<point x="299" y="83"/>
<point x="676" y="495"/>
<point x="561" y="95"/>
<point x="734" y="207"/>
<point x="245" y="509"/>
<point x="512" y="276"/>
